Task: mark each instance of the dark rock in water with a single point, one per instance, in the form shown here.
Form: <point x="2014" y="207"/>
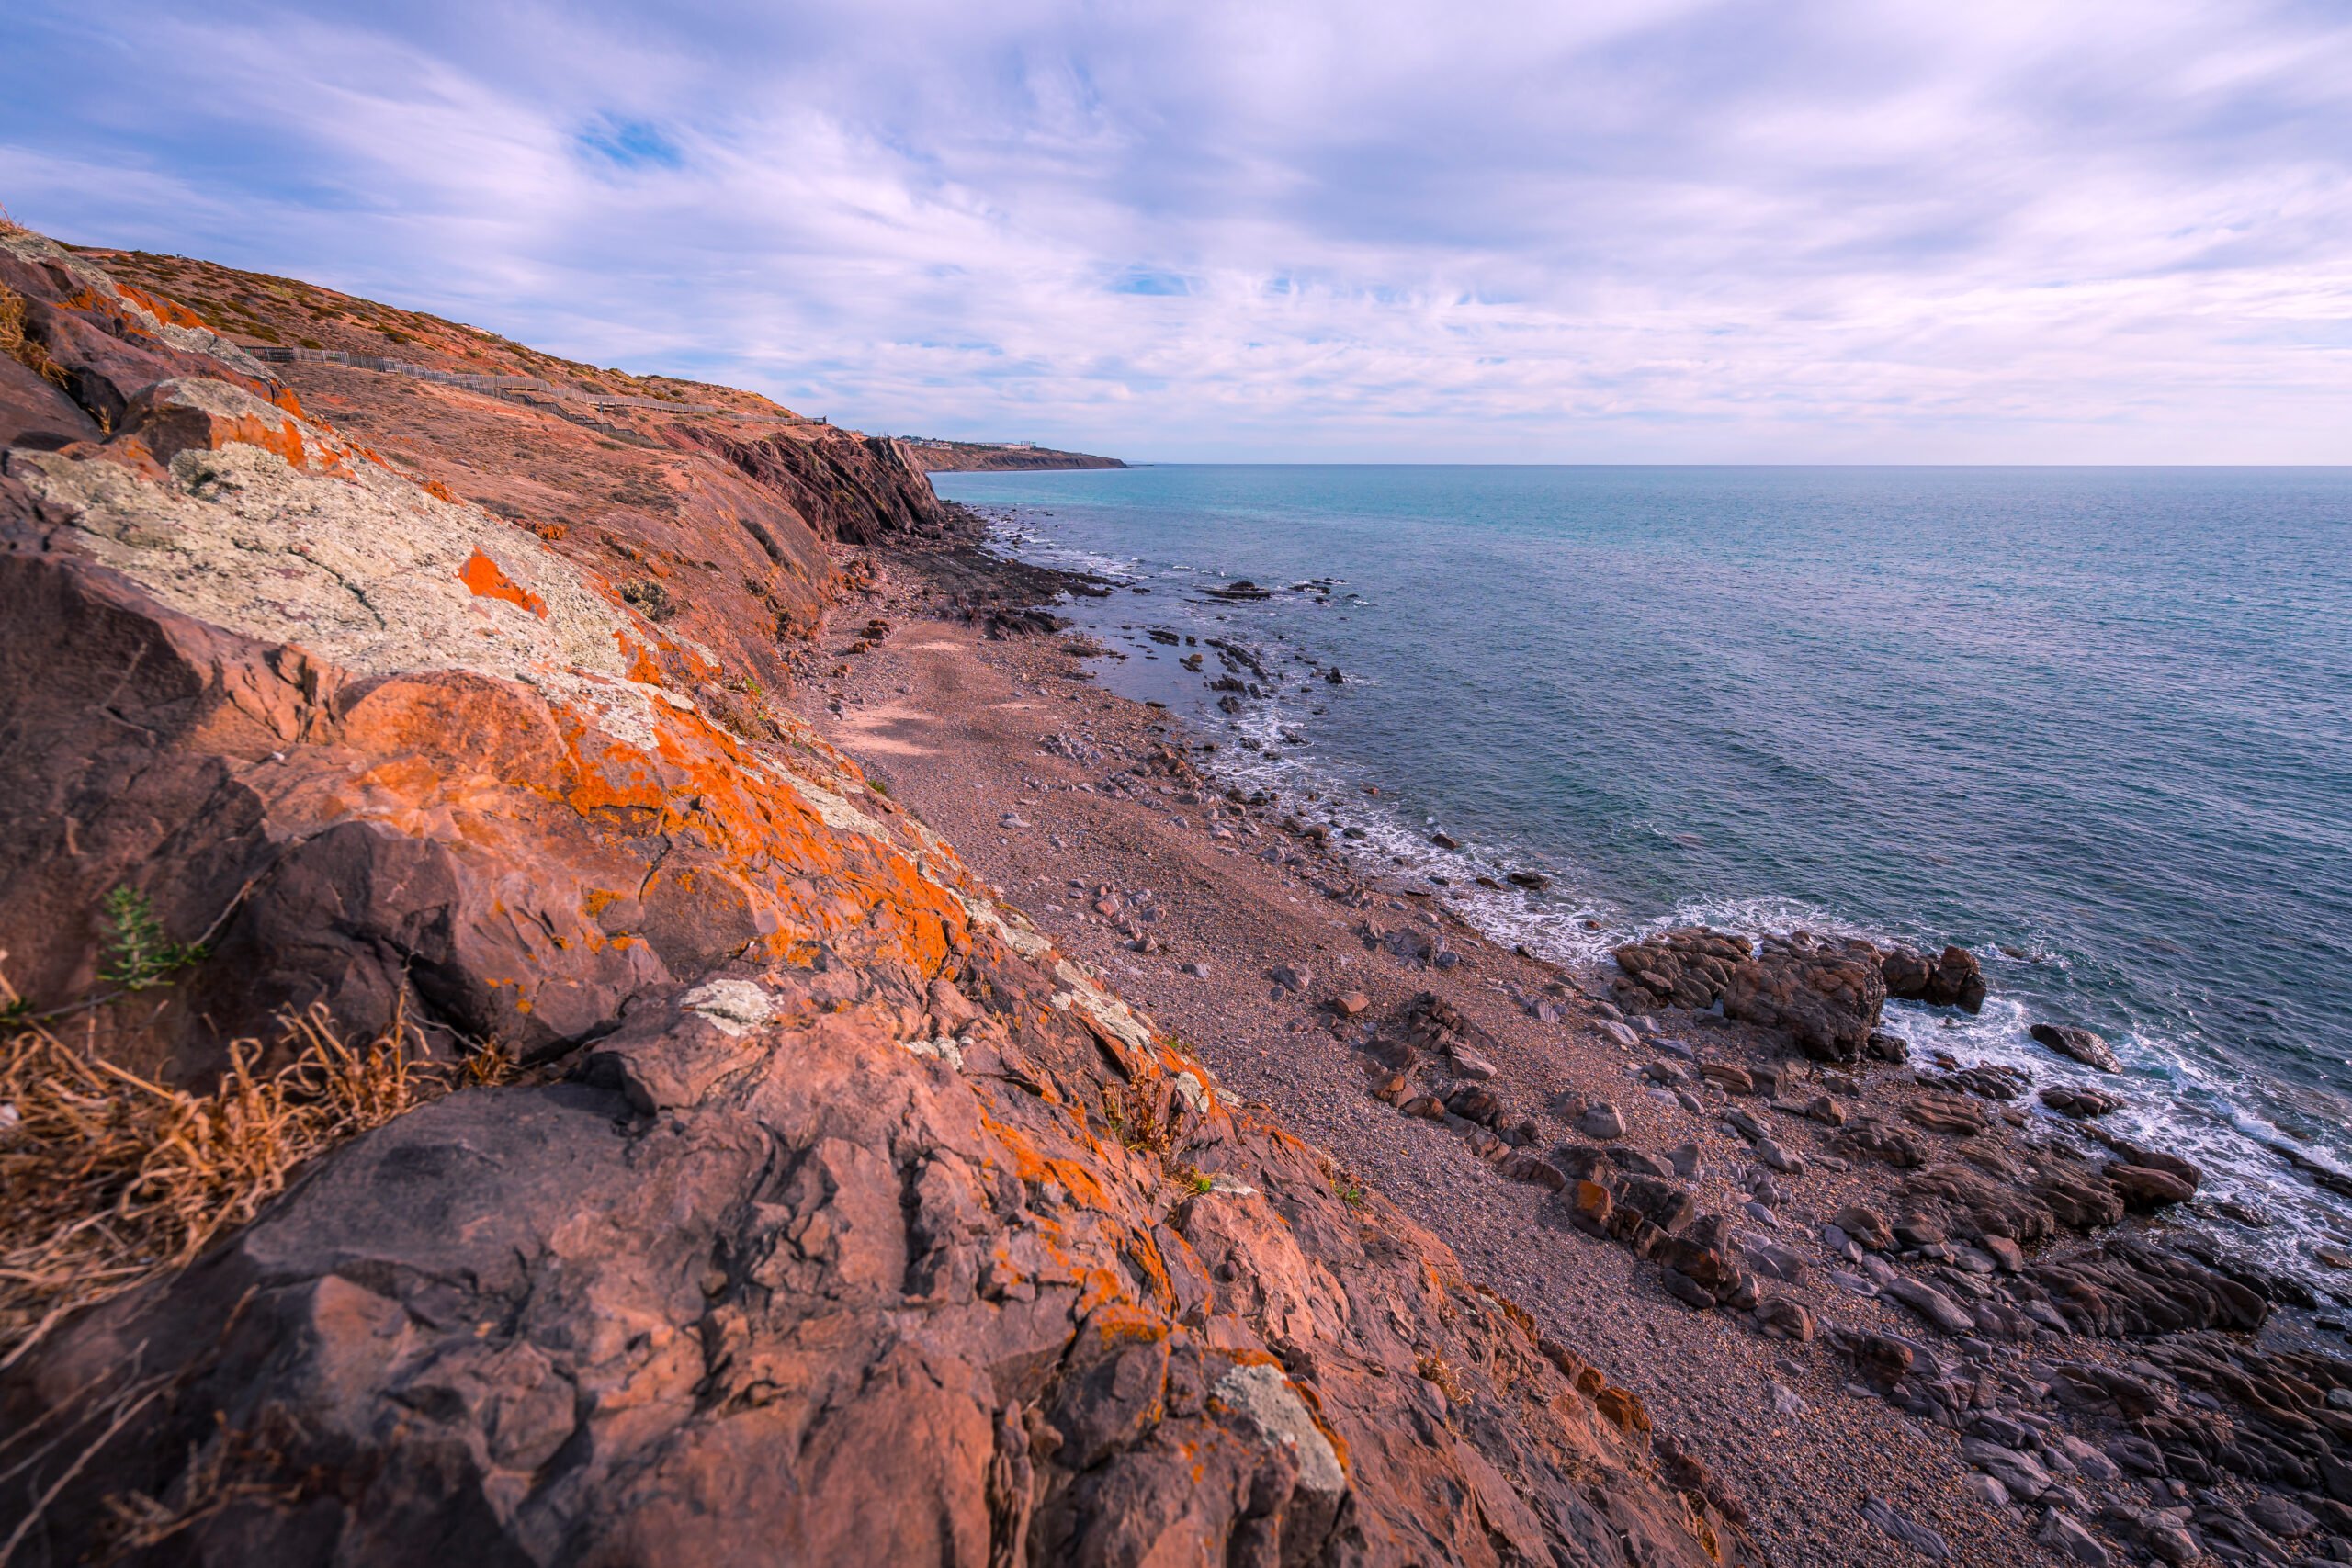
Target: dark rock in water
<point x="1953" y="978"/>
<point x="1825" y="993"/>
<point x="1444" y="841"/>
<point x="1241" y="587"/>
<point x="1534" y="881"/>
<point x="2079" y="1044"/>
<point x="2080" y="1101"/>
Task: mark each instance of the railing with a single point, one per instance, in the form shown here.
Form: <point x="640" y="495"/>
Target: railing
<point x="506" y="386"/>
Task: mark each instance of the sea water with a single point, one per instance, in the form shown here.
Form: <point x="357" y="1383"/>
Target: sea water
<point x="2095" y="724"/>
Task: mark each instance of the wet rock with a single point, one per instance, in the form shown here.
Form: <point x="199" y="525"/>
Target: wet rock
<point x="2080" y="1101"/>
<point x="2144" y="1189"/>
<point x="1952" y="978"/>
<point x="1989" y="1081"/>
<point x="2080" y="1044"/>
<point x="1825" y="993"/>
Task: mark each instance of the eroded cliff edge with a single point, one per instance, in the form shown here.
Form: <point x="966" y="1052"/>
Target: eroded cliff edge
<point x="828" y="1212"/>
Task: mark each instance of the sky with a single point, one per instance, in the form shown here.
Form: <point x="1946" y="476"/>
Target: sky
<point x="1654" y="231"/>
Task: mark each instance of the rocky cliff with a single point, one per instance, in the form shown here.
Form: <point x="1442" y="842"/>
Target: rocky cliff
<point x="804" y="1202"/>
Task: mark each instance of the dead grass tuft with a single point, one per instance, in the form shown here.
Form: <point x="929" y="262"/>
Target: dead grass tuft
<point x="108" y="1179"/>
<point x="25" y="351"/>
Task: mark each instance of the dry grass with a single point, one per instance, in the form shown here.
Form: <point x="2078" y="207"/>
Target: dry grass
<point x="108" y="1179"/>
<point x="1138" y="1114"/>
<point x="25" y="351"/>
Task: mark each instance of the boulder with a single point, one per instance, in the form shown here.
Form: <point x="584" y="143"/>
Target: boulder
<point x="1600" y="1121"/>
<point x="2080" y="1044"/>
<point x="2080" y="1101"/>
<point x="1952" y="978"/>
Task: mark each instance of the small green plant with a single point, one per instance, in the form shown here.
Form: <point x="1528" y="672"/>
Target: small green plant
<point x="1201" y="1181"/>
<point x="139" y="955"/>
<point x="1352" y="1195"/>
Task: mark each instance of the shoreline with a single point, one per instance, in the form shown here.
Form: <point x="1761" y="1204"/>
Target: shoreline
<point x="2250" y="1128"/>
<point x="1010" y="749"/>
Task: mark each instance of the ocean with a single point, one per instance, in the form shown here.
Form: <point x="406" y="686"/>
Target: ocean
<point x="2095" y="724"/>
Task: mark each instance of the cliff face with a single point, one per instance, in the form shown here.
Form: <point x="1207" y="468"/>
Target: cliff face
<point x="824" y="1213"/>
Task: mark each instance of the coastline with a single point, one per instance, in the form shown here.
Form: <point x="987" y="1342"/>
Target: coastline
<point x="1007" y="746"/>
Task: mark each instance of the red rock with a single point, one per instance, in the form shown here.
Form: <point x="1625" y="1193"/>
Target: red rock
<point x="751" y="1269"/>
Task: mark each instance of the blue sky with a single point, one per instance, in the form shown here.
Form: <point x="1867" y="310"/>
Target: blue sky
<point x="1653" y="231"/>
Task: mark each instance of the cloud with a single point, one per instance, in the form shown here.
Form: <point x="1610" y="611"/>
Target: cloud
<point x="1658" y="229"/>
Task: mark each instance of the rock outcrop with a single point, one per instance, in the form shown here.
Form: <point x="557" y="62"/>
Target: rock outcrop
<point x="834" y="1216"/>
<point x="1824" y="992"/>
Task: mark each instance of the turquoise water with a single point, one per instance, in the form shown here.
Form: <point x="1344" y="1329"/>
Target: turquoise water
<point x="2096" y="724"/>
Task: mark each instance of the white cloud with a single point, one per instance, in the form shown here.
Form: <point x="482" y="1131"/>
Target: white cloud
<point x="1663" y="232"/>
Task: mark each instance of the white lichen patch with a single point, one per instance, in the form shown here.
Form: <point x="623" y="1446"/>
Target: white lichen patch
<point x="1264" y="1395"/>
<point x="1193" y="1092"/>
<point x="948" y="1051"/>
<point x="362" y="570"/>
<point x="734" y="1007"/>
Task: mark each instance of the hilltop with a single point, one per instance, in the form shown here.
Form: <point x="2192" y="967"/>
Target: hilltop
<point x="960" y="456"/>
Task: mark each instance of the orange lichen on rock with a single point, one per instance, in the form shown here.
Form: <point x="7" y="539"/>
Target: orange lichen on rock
<point x="482" y="576"/>
<point x="171" y="312"/>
